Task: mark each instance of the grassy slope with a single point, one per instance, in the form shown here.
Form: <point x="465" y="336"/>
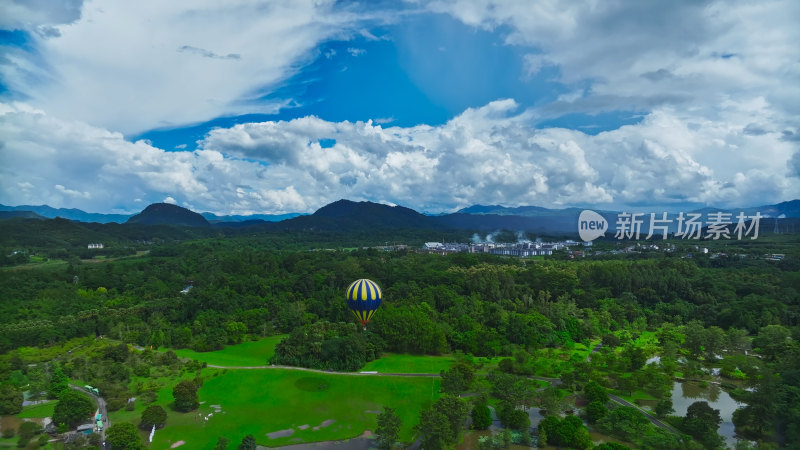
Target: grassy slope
<point x="263" y="401"/>
<point x="255" y="353"/>
<point x="402" y="363"/>
<point x="38" y="411"/>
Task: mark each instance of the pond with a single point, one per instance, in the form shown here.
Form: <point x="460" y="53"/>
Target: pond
<point x="686" y="393"/>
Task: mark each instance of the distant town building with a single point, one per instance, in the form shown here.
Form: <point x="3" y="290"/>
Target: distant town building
<point x="520" y="249"/>
<point x="95" y="245"/>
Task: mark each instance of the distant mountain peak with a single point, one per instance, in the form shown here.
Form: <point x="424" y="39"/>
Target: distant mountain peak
<point x="344" y="207"/>
<point x="344" y="215"/>
<point x="169" y="214"/>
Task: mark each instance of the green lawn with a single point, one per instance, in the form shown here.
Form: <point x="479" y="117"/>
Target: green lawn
<point x="38" y="411"/>
<point x="403" y="363"/>
<point x="9" y="443"/>
<point x="637" y="395"/>
<point x="263" y="401"/>
<point x="255" y="353"/>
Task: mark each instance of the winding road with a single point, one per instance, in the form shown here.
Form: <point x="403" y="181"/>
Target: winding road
<point x="101" y="406"/>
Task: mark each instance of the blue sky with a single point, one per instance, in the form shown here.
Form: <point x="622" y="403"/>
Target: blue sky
<point x="284" y="106"/>
<point x="425" y="70"/>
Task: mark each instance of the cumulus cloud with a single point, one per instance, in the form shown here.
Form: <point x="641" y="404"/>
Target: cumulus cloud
<point x="72" y="193"/>
<point x="38" y="14"/>
<point x="487" y="155"/>
<point x="356" y="51"/>
<point x="134" y="66"/>
<point x="646" y="55"/>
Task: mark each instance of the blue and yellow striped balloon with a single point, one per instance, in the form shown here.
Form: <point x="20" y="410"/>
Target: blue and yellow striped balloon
<point x="363" y="298"/>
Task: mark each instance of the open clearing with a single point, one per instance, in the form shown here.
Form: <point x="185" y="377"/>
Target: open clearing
<point x="260" y="402"/>
<point x="402" y="363"/>
<point x="254" y="353"/>
<point x="40" y="411"/>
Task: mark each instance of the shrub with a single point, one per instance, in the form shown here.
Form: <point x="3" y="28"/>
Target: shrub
<point x="148" y="397"/>
<point x="29" y="429"/>
<point x="115" y="404"/>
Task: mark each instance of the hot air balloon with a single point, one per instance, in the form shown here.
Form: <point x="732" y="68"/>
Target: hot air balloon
<point x="363" y="298"/>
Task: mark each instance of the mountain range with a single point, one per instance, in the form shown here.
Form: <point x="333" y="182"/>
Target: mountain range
<point x="48" y="212"/>
<point x="346" y="215"/>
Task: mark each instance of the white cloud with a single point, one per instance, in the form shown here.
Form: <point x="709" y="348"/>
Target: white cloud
<point x="485" y="155"/>
<point x="170" y="200"/>
<point x="38" y="14"/>
<point x="646" y="55"/>
<point x="133" y="66"/>
<point x="356" y="51"/>
<point x="72" y="193"/>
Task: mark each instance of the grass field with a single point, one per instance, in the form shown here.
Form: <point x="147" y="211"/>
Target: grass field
<point x="255" y="353"/>
<point x="38" y="411"/>
<point x="402" y="363"/>
<point x="263" y="401"/>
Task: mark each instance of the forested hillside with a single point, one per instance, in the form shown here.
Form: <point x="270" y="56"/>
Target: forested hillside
<point x="474" y="304"/>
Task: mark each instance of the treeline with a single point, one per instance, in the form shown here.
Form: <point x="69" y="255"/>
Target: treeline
<point x="479" y="304"/>
<point x="325" y="345"/>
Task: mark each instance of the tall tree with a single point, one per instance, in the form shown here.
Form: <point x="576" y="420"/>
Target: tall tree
<point x="457" y="379"/>
<point x="72" y="408"/>
<point x="595" y="393"/>
<point x="123" y="435"/>
<point x="185" y="394"/>
<point x="388" y="428"/>
<point x="248" y="443"/>
<point x="10" y="400"/>
<point x="59" y="383"/>
<point x="773" y="340"/>
<point x="481" y="416"/>
<point x="702" y="421"/>
<point x="153" y="415"/>
<point x="441" y="423"/>
<point x="222" y="443"/>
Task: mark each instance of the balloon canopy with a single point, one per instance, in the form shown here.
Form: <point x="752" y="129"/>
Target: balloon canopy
<point x="363" y="298"/>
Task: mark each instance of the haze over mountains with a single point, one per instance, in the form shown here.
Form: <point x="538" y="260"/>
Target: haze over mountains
<point x="346" y="215"/>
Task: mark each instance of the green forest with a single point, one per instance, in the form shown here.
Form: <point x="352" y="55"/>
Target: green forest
<point x="558" y="333"/>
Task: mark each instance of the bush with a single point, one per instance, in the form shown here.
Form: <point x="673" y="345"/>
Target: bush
<point x="9" y="433"/>
<point x="29" y="429"/>
<point x="130" y="406"/>
<point x="141" y="370"/>
<point x="148" y="397"/>
<point x="115" y="404"/>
